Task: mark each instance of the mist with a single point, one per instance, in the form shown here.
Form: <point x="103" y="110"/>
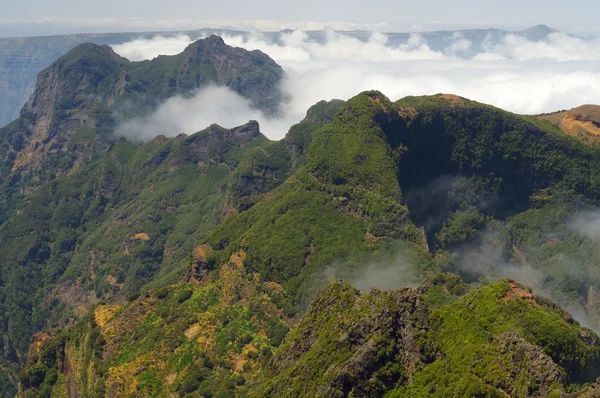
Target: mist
<point x="210" y="105"/>
<point x="522" y="76"/>
<point x="493" y="256"/>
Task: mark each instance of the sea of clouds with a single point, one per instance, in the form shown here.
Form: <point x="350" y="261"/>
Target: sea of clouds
<point x="515" y="74"/>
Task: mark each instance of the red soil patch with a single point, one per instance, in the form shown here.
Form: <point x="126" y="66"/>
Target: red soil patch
<point x="377" y="100"/>
<point x="582" y="122"/>
<point x="455" y="99"/>
<point x="518" y="291"/>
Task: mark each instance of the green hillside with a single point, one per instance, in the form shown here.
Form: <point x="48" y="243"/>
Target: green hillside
<point x="177" y="266"/>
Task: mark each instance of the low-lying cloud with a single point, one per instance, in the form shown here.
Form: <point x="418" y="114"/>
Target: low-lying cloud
<point x="211" y="105"/>
<point x="142" y="49"/>
<point x="512" y="73"/>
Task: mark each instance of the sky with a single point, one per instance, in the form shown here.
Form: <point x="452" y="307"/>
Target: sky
<point x="42" y="17"/>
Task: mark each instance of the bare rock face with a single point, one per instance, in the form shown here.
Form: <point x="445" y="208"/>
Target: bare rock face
<point x="582" y="122"/>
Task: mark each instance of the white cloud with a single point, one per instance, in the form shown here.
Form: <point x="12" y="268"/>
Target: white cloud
<point x="138" y="24"/>
<point x="557" y="47"/>
<point x="514" y="74"/>
<point x="141" y="49"/>
<point x="188" y="115"/>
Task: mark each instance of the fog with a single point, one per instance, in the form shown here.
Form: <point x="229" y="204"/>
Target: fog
<point x="514" y="73"/>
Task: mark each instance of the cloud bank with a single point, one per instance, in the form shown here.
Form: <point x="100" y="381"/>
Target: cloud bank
<point x="512" y="73"/>
<point x="212" y="105"/>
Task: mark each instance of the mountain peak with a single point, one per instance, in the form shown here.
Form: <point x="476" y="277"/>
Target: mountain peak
<point x="83" y="96"/>
<point x="537" y="32"/>
<point x="212" y="42"/>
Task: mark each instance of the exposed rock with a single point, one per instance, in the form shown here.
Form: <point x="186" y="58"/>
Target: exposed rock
<point x="582" y="122"/>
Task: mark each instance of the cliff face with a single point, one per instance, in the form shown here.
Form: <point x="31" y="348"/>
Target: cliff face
<point x="79" y="99"/>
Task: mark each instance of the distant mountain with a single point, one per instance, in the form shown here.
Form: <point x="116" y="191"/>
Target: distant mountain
<point x="22" y="58"/>
<point x="81" y="97"/>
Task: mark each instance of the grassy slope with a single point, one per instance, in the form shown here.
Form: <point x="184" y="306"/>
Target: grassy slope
<point x="469" y="333"/>
<point x="185" y="339"/>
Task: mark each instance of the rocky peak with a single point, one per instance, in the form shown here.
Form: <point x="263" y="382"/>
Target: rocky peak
<point x="214" y="143"/>
<point x="82" y="96"/>
<point x="213" y="43"/>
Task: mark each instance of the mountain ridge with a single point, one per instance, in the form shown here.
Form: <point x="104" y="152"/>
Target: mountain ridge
<point x="216" y="244"/>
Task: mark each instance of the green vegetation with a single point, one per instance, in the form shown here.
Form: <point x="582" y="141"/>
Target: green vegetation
<point x="497" y="340"/>
<point x="370" y="191"/>
<point x="195" y="339"/>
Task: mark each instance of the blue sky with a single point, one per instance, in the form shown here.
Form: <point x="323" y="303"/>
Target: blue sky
<point x="33" y="17"/>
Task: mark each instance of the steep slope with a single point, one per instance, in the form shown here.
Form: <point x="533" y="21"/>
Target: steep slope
<point x="344" y="203"/>
<point x="79" y="99"/>
<point x="130" y="218"/>
<point x="380" y="170"/>
<point x="221" y="338"/>
<point x="582" y="122"/>
<point x="350" y="344"/>
<point x="208" y="339"/>
<point x="108" y="228"/>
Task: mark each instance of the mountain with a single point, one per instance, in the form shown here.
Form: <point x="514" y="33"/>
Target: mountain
<point x="67" y="181"/>
<point x="430" y="171"/>
<point x="94" y="78"/>
<point x="224" y="338"/>
<point x="340" y="197"/>
<point x="582" y="122"/>
<point x="22" y="58"/>
<point x="178" y="266"/>
<point x="81" y="97"/>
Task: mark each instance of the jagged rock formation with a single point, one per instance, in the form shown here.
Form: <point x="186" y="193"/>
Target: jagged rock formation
<point x="381" y="342"/>
<point x="350" y="344"/>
